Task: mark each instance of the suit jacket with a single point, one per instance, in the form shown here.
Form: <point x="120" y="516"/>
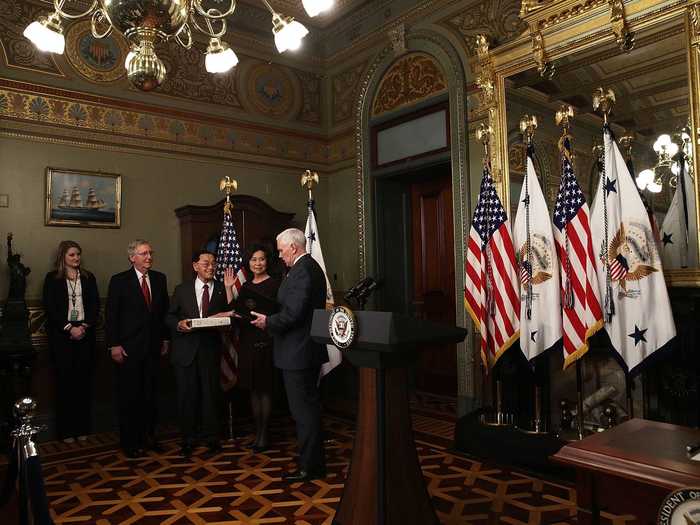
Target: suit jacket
<point x="301" y="292"/>
<point x="184" y="306"/>
<point x="129" y="322"/>
<point x="55" y="299"/>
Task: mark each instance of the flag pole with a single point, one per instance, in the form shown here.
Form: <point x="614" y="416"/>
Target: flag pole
<point x="483" y="135"/>
<point x="228" y="186"/>
<point x="563" y="119"/>
<point x="528" y="125"/>
<point x="603" y="101"/>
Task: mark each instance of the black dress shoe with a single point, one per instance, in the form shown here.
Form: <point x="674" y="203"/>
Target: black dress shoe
<point x="186" y="450"/>
<point x="259" y="448"/>
<point x="303" y="475"/>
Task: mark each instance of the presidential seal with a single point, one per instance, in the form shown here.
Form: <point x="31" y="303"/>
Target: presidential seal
<point x="681" y="507"/>
<point x="541" y="267"/>
<point x="342" y="327"/>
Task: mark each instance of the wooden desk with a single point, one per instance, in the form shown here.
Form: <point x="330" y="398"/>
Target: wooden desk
<point x="631" y="468"/>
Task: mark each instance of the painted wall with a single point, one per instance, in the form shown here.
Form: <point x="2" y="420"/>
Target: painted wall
<point x="152" y="187"/>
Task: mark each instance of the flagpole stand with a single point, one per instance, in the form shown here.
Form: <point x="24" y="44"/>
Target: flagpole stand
<point x="500" y="418"/>
<point x="538" y="423"/>
<point x="579" y="399"/>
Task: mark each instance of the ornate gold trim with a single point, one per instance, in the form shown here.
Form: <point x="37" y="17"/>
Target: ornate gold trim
<point x="623" y="36"/>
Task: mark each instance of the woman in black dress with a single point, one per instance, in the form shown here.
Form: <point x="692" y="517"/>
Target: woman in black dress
<point x="257" y="372"/>
<point x="72" y="305"/>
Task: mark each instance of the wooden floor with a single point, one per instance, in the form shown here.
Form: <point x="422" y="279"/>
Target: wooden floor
<point x="93" y="483"/>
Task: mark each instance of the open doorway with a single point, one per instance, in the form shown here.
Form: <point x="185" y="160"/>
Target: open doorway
<point x="415" y="260"/>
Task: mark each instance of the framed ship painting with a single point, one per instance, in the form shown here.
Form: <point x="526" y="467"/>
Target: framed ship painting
<point x="82" y="198"/>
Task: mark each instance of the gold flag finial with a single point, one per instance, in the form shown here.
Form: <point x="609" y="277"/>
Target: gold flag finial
<point x="528" y="125"/>
<point x="564" y="115"/>
<point x="603" y="101"/>
<point x="228" y="185"/>
<point x="308" y="180"/>
<point x="483" y="135"/>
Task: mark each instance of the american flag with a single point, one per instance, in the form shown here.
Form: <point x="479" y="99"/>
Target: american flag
<point x="491" y="292"/>
<point x="228" y="255"/>
<point x="581" y="312"/>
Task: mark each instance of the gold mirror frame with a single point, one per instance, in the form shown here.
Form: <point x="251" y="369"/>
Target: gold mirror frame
<point x="558" y="28"/>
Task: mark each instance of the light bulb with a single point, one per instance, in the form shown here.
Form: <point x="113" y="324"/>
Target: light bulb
<point x="654" y="187"/>
<point x="220" y="57"/>
<point x="288" y="34"/>
<point x="315" y="7"/>
<point x="46" y="34"/>
<point x="672" y="149"/>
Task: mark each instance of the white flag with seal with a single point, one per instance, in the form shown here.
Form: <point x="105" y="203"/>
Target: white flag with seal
<point x="313" y="247"/>
<point x="636" y="308"/>
<point x="540" y="301"/>
<point x="679" y="235"/>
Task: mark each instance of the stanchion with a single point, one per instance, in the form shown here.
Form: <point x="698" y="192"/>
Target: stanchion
<point x="229" y="421"/>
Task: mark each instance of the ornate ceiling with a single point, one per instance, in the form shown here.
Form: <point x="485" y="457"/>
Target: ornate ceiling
<point x="650" y="82"/>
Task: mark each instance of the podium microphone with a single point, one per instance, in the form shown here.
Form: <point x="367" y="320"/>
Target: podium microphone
<point x="358" y="287"/>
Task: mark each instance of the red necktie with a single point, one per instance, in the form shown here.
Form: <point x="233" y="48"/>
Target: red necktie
<point x="205" y="300"/>
<point x="146" y="291"/>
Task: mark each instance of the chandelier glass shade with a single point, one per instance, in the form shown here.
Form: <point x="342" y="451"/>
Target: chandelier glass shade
<point x="667" y="168"/>
<point x="147" y="23"/>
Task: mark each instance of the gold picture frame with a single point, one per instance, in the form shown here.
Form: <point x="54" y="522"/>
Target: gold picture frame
<point x="84" y="199"/>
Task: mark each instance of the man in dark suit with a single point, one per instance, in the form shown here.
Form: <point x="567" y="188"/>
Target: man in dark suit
<point x="196" y="354"/>
<point x="301" y="292"/>
<point x="137" y="301"/>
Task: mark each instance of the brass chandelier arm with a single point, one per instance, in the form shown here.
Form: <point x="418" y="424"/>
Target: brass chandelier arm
<point x="98" y="17"/>
<point x="58" y="6"/>
<point x="184" y="30"/>
<point x="214" y="14"/>
<point x="209" y="30"/>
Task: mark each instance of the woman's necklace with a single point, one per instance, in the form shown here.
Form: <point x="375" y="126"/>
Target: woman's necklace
<point x="73" y="295"/>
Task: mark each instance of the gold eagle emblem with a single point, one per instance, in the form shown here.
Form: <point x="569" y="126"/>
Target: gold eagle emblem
<point x="630" y="257"/>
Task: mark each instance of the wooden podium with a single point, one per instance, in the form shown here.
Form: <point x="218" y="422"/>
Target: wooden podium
<point x="630" y="469"/>
<point x="385" y="483"/>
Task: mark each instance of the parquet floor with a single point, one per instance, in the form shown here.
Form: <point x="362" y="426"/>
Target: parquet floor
<point x="93" y="483"/>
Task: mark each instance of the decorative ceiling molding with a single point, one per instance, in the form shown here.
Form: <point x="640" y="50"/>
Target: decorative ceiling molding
<point x="412" y="78"/>
<point x="18" y="51"/>
<point x="60" y="113"/>
<point x="499" y="20"/>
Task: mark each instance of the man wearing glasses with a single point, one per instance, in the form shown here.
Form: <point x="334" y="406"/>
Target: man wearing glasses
<point x="137" y="302"/>
<point x="196" y="354"/>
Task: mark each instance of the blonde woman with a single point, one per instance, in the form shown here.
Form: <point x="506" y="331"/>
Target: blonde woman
<point x="72" y="305"/>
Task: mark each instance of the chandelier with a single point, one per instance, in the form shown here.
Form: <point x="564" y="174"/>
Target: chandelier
<point x="668" y="166"/>
<point x="146" y="23"/>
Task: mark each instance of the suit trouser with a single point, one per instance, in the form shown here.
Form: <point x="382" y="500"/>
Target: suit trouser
<point x="136" y="380"/>
<point x="305" y="405"/>
<point x="198" y="388"/>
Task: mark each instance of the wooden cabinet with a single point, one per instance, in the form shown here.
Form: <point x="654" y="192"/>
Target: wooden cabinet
<point x="254" y="219"/>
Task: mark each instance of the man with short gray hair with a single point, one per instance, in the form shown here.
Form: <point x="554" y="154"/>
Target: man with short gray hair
<point x="137" y="301"/>
<point x="299" y="357"/>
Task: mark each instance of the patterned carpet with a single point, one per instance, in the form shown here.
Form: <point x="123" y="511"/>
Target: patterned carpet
<point x="93" y="483"/>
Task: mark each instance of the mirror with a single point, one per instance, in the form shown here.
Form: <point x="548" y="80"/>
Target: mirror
<point x="587" y="45"/>
<point x="651" y="119"/>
